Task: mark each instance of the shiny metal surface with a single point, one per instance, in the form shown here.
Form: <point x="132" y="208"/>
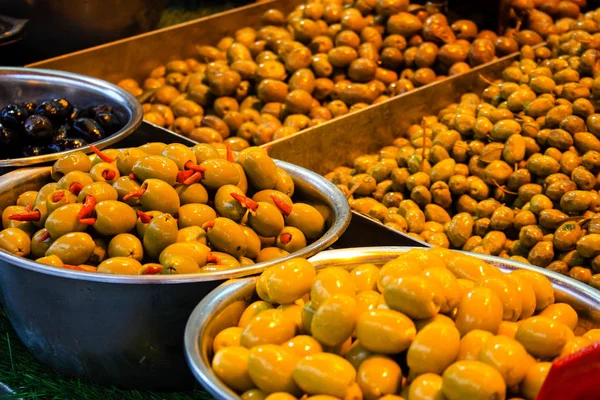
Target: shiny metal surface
<point x="21" y="84"/>
<point x="135" y="57"/>
<point x="224" y="305"/>
<point x="123" y="330"/>
<point x="61" y="26"/>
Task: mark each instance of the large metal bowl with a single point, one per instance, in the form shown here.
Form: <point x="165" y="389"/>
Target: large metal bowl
<point x="119" y="329"/>
<point x="27" y="84"/>
<point x="223" y="307"/>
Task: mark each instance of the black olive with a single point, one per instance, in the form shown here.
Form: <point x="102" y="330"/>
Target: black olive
<point x="54" y="111"/>
<point x="64" y="131"/>
<point x="33" y="150"/>
<point x="109" y="122"/>
<point x="38" y="128"/>
<point x="87" y="129"/>
<point x="80" y="113"/>
<point x="66" y="105"/>
<point x="8" y="139"/>
<point x="30" y="106"/>
<point x="14" y="116"/>
<point x="100" y="108"/>
<point x="66" y="144"/>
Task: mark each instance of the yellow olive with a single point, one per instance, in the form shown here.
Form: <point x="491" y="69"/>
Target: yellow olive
<point x="508" y="329"/>
<point x="426" y="387"/>
<point x="395" y="269"/>
<point x="472" y="380"/>
<point x="378" y="376"/>
<point x="528" y="299"/>
<point x="573" y="345"/>
<point x="481" y="308"/>
<point x="230" y="364"/>
<point x="544" y="293"/>
<point x="467" y="267"/>
<point x="534" y="379"/>
<point x="364" y="277"/>
<point x="357" y="354"/>
<point x="561" y="312"/>
<point x="415" y="296"/>
<point x="253" y="310"/>
<point x="508" y="356"/>
<point x="271" y="368"/>
<point x="289" y="281"/>
<point x="254" y="394"/>
<point x="367" y="301"/>
<point x="335" y="319"/>
<point x="385" y="331"/>
<point x="330" y="281"/>
<point x="472" y="343"/>
<point x="446" y="281"/>
<point x="324" y="373"/>
<point x="303" y="345"/>
<point x="508" y="292"/>
<point x="268" y="327"/>
<point x="426" y="355"/>
<point x="439" y="318"/>
<point x="593" y="335"/>
<point x="542" y="336"/>
<point x="226" y="338"/>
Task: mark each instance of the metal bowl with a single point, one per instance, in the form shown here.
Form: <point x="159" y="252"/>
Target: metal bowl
<point x="223" y="307"/>
<point x="119" y="329"/>
<point x="27" y="84"/>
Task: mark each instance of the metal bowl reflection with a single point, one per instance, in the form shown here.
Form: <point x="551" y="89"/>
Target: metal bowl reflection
<point x="222" y="308"/>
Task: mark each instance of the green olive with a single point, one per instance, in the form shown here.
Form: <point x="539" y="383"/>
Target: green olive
<point x="307" y="219"/>
<point x="72" y="248"/>
<point x="160" y="232"/>
<point x="270" y="253"/>
<point x="261" y="170"/>
<point x="125" y="185"/>
<point x="104" y="172"/>
<point x="39" y="246"/>
<point x="156" y="167"/>
<point x="194" y="193"/>
<point x="227" y="236"/>
<point x="99" y="190"/>
<point x="219" y="172"/>
<point x="195" y="215"/>
<point x="153" y="148"/>
<point x="15" y="241"/>
<point x="64" y="220"/>
<point x="159" y="195"/>
<point x="266" y="220"/>
<point x="120" y="265"/>
<point x="126" y="245"/>
<point x="291" y="239"/>
<point x="127" y="159"/>
<point x="226" y="205"/>
<point x="180" y="154"/>
<point x="74" y="181"/>
<point x="114" y="217"/>
<point x="195" y="250"/>
<point x="77" y="161"/>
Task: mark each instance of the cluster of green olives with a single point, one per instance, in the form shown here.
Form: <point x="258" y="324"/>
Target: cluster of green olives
<point x="323" y="60"/>
<point x="160" y="208"/>
<point x="431" y="324"/>
<point x="511" y="173"/>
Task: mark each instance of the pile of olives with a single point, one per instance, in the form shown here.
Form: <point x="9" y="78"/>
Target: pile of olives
<point x="513" y="173"/>
<point x="431" y="324"/>
<point x="323" y="60"/>
<point x="28" y="129"/>
<point x="161" y="208"/>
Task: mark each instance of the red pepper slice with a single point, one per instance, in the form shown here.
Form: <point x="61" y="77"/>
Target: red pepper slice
<point x="58" y="196"/>
<point x="574" y="377"/>
<point x="75" y="188"/>
<point x="145" y="218"/>
<point x="44" y="236"/>
<point x="88" y="207"/>
<point x="87" y="221"/>
<point x="109" y="174"/>
<point x="196" y="177"/>
<point x="152" y="270"/>
<point x="132" y="176"/>
<point x="28" y="207"/>
<point x="285" y="208"/>
<point x="183" y="175"/>
<point x="207" y="225"/>
<point x="229" y="153"/>
<point x="194" y="167"/>
<point x="26" y="216"/>
<point x="285" y="238"/>
<point x="135" y="193"/>
<point x="101" y="155"/>
<point x="245" y="201"/>
<point x="211" y="258"/>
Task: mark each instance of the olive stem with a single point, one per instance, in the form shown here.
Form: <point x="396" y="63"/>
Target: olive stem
<point x="135" y="193"/>
<point x="101" y="155"/>
<point x="109" y="174"/>
<point x="88" y="207"/>
<point x="152" y="270"/>
<point x="285" y="208"/>
<point x="26" y="216"/>
<point x="145" y="218"/>
<point x="211" y="258"/>
<point x="285" y="238"/>
<point x="44" y="236"/>
<point x="76" y="188"/>
<point x="244" y="201"/>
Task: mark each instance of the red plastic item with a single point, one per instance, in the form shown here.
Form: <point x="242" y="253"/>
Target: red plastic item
<point x="574" y="377"/>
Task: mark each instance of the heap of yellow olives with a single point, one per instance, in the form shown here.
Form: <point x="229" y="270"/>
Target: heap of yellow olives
<point x="160" y="208"/>
<point x="511" y="173"/>
<point x="321" y="61"/>
<point x="431" y="324"/>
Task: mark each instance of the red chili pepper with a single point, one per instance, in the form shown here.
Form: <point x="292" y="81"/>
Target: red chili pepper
<point x="285" y="238"/>
<point x="245" y="201"/>
<point x="76" y="188"/>
<point x="88" y="207"/>
<point x="135" y="193"/>
<point x="132" y="176"/>
<point x="26" y="216"/>
<point x="196" y="177"/>
<point x="194" y="167"/>
<point x="183" y="175"/>
<point x="574" y="377"/>
<point x="211" y="258"/>
<point x="109" y="174"/>
<point x="285" y="208"/>
<point x="101" y="155"/>
<point x="28" y="207"/>
<point x="145" y="218"/>
<point x="152" y="270"/>
<point x="208" y="225"/>
<point x="229" y="153"/>
<point x="44" y="236"/>
<point x="87" y="221"/>
<point x="58" y="196"/>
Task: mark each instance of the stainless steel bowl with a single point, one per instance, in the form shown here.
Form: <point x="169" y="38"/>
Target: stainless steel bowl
<point x="119" y="329"/>
<point x="28" y="84"/>
<point x="223" y="307"/>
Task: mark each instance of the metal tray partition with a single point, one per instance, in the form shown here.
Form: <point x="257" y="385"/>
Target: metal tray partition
<point x="135" y="57"/>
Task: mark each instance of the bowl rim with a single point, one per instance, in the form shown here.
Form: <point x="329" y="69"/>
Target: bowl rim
<point x="205" y="311"/>
<point x="341" y="219"/>
<point x="126" y="100"/>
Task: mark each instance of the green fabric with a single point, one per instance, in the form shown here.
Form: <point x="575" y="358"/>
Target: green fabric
<point x="18" y="368"/>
